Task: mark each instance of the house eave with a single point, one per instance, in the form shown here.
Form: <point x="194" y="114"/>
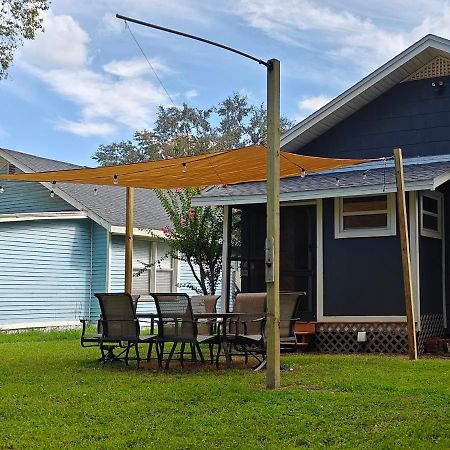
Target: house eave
<point x="312" y="195"/>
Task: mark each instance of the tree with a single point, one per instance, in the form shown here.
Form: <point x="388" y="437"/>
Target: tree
<point x="195" y="236"/>
<point x="186" y="131"/>
<point x="19" y="20"/>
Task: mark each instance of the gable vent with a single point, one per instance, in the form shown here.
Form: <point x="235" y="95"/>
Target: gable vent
<point x="12" y="169"/>
<point x="438" y="67"/>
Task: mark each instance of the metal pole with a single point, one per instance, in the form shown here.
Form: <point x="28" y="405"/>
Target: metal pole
<point x="129" y="240"/>
<point x="406" y="256"/>
<point x="273" y="225"/>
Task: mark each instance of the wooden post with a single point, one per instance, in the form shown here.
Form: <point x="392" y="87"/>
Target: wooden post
<point x="225" y="260"/>
<point x="406" y="257"/>
<point x="129" y="240"/>
<point x="273" y="225"/>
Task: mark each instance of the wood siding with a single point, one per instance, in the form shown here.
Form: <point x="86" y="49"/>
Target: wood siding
<point x="361" y="276"/>
<point x="99" y="267"/>
<point x="45" y="271"/>
<point x="411" y="115"/>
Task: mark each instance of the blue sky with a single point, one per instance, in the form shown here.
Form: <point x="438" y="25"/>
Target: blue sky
<point x="83" y="82"/>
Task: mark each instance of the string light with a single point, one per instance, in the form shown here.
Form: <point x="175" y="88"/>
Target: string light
<point x="95" y="191"/>
<point x="338" y="181"/>
<point x="52" y="192"/>
<point x="303" y="173"/>
<point x="183" y="167"/>
<point x="365" y="174"/>
<point x="116" y="179"/>
<point x="2" y="189"/>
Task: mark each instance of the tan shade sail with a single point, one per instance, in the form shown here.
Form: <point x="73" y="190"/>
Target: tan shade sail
<point x="227" y="167"/>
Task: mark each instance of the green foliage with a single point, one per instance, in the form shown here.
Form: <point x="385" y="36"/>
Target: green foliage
<point x="186" y="131"/>
<point x="19" y="20"/>
<point x="195" y="236"/>
<point x="54" y="395"/>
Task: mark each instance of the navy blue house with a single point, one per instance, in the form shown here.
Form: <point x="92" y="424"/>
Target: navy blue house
<point x="339" y="238"/>
<point x="61" y="244"/>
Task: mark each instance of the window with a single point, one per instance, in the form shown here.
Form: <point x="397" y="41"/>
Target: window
<point x="365" y="216"/>
<point x="431" y="214"/>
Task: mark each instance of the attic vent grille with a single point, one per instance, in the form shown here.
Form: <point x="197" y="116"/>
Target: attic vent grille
<point x="438" y="67"/>
<point x="12" y="169"/>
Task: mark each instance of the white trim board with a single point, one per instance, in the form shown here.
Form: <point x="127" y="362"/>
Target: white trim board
<point x="28" y="325"/>
<point x="23" y="217"/>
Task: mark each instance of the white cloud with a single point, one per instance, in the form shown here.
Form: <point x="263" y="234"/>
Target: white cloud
<point x="63" y="44"/>
<point x="119" y="94"/>
<point x="3" y="132"/>
<point x="85" y="128"/>
<point x="309" y="104"/>
<point x="192" y="93"/>
<point x="136" y="67"/>
<point x="358" y="34"/>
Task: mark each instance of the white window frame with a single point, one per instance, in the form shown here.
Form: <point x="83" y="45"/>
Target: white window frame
<point x="427" y="232"/>
<point x="390" y="230"/>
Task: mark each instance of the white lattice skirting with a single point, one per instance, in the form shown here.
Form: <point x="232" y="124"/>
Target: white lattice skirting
<point x="342" y="338"/>
<point x="381" y="337"/>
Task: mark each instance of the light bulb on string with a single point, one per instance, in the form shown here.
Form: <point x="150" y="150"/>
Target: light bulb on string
<point x="302" y="173"/>
<point x="95" y="191"/>
<point x="338" y="181"/>
<point x="2" y="189"/>
<point x="364" y="174"/>
<point x="116" y="179"/>
<point x="52" y="192"/>
<point x="183" y="167"/>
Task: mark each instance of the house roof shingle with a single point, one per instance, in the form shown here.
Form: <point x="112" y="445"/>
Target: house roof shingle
<point x="109" y="201"/>
<point x="369" y="178"/>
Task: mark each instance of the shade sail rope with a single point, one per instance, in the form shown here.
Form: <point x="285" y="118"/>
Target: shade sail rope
<point x="245" y="164"/>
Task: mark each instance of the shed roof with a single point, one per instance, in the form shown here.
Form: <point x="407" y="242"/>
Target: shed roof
<point x="371" y="178"/>
<point x="381" y="80"/>
<point x="107" y="206"/>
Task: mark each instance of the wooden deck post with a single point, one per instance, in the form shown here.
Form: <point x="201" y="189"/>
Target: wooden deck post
<point x="129" y="240"/>
<point x="406" y="257"/>
<point x="273" y="225"/>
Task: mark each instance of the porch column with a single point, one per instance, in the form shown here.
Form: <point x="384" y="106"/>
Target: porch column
<point x="225" y="260"/>
<point x="129" y="240"/>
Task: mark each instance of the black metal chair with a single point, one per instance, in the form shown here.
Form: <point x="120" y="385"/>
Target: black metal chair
<point x="93" y="339"/>
<point x="177" y="325"/>
<point x="248" y="329"/>
<point x="120" y="328"/>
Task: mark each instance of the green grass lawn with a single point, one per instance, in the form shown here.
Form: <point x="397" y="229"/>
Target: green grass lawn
<point x="53" y="394"/>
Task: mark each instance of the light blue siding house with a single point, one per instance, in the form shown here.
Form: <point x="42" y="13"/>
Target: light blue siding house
<point x="60" y="244"/>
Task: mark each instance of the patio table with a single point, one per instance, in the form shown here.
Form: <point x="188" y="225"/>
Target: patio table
<point x="224" y="338"/>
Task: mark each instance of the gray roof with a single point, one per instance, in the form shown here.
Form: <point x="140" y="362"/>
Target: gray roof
<point x="109" y="201"/>
<point x="420" y="174"/>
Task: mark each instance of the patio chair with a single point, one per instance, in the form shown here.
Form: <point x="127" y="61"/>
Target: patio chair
<point x="248" y="330"/>
<point x="93" y="339"/>
<point x="205" y="304"/>
<point x="120" y="328"/>
<point x="289" y="305"/>
<point x="177" y="325"/>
